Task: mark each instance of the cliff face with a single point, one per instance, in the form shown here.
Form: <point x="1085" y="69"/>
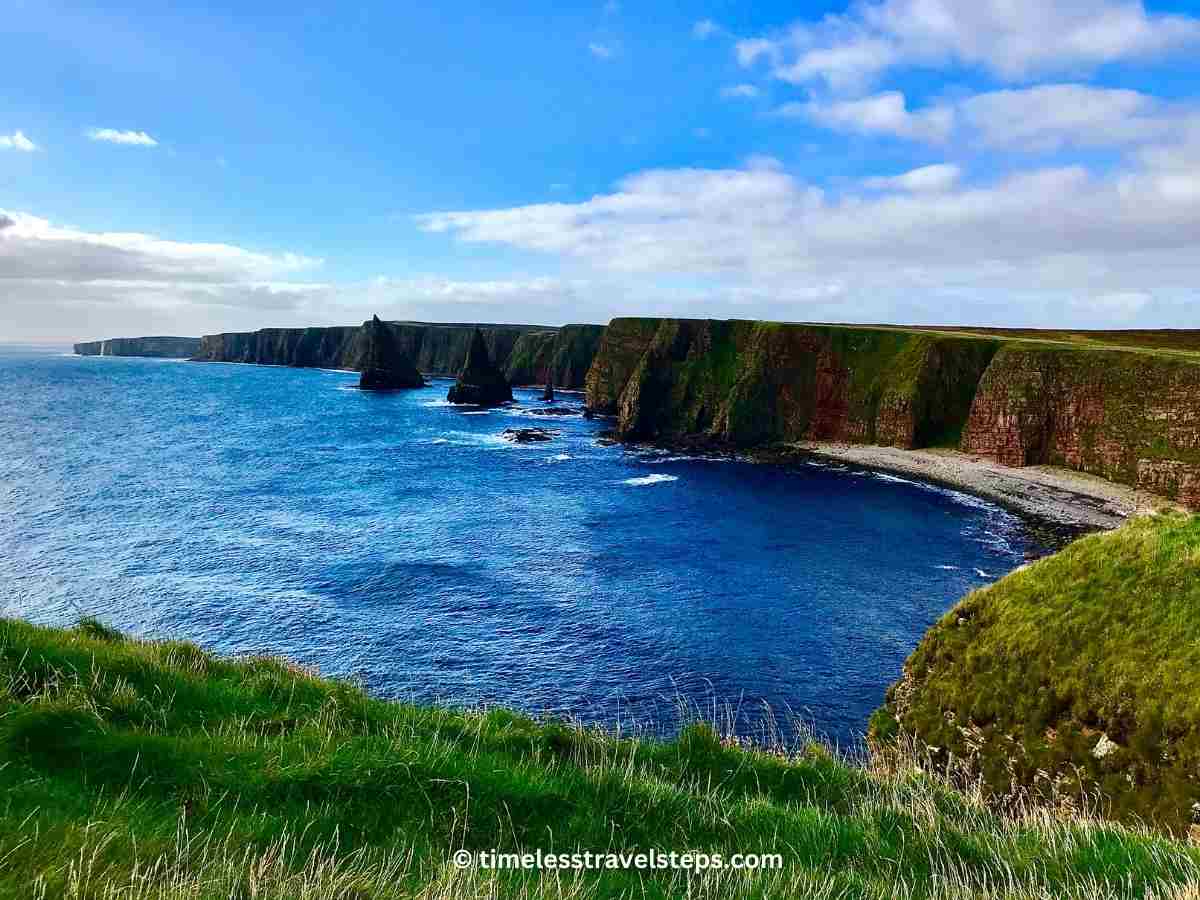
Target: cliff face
<point x="160" y="347"/>
<point x="562" y="356"/>
<point x="1125" y="416"/>
<point x="754" y="382"/>
<point x="434" y="349"/>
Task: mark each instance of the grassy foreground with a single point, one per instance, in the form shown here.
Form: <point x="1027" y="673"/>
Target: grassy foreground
<point x="155" y="770"/>
<point x="1079" y="674"/>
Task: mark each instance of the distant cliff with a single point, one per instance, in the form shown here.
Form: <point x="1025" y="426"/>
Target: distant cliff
<point x="161" y="347"/>
<point x="436" y="349"/>
<point x="1127" y="415"/>
<point x="561" y="356"/>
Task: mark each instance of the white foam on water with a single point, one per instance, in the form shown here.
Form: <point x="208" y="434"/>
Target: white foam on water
<point x="440" y="441"/>
<point x="983" y="574"/>
<point x="558" y="457"/>
<point x="478" y="412"/>
<point x="948" y="568"/>
<point x="656" y="478"/>
<point x="887" y="476"/>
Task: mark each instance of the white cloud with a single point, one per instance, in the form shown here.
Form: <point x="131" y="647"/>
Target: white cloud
<point x="1037" y="119"/>
<point x="736" y="91"/>
<point x="600" y="51"/>
<point x="1054" y="245"/>
<point x="940" y="177"/>
<point x="17" y="141"/>
<point x="113" y="136"/>
<point x="705" y="29"/>
<point x="881" y="114"/>
<point x="1013" y="39"/>
<point x="1051" y="116"/>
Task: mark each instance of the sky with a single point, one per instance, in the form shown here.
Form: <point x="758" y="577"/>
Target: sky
<point x="228" y="166"/>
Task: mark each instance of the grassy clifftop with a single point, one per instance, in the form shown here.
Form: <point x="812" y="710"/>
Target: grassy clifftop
<point x="1078" y="673"/>
<point x="138" y="770"/>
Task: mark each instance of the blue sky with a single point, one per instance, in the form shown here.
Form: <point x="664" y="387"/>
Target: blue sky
<point x="214" y="167"/>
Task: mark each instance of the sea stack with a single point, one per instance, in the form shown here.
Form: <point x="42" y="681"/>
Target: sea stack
<point x="548" y="394"/>
<point x="480" y="382"/>
<point x="386" y="367"/>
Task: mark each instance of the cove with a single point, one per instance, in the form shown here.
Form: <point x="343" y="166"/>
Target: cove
<point x="403" y="542"/>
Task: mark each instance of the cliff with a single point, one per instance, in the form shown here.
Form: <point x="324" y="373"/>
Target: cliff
<point x="160" y="347"/>
<point x="434" y="348"/>
<point x="1079" y="673"/>
<point x="748" y="383"/>
<point x="1126" y="416"/>
<point x="561" y="356"/>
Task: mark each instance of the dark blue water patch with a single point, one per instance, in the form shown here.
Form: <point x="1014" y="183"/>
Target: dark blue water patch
<point x="400" y="540"/>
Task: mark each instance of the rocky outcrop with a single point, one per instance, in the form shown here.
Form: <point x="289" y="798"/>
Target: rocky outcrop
<point x="562" y="356"/>
<point x="750" y="383"/>
<point x="1128" y="416"/>
<point x="480" y="382"/>
<point x="385" y="366"/>
<point x="158" y="347"/>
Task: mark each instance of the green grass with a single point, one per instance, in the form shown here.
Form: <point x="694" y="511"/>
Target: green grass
<point x="135" y="770"/>
<point x="1023" y="677"/>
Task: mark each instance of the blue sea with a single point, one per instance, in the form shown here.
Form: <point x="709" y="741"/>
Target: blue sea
<point x="402" y="542"/>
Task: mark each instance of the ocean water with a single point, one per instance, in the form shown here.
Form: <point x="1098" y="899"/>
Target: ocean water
<point x="401" y="541"/>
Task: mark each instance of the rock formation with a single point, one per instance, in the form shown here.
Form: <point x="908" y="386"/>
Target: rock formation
<point x="548" y="393"/>
<point x="386" y="367"/>
<point x="480" y="382"/>
<point x="157" y="347"/>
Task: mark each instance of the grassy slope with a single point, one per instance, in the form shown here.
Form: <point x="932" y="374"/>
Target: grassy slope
<point x="131" y="769"/>
<point x="1025" y="675"/>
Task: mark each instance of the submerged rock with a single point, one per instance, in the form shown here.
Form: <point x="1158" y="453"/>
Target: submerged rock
<point x="554" y="411"/>
<point x="480" y="382"/>
<point x="528" y="435"/>
<point x="548" y="394"/>
<point x="386" y="367"/>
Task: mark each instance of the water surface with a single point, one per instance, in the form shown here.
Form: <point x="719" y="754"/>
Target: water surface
<point x="401" y="541"/>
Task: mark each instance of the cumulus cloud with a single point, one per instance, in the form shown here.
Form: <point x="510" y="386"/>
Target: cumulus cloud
<point x="881" y="114"/>
<point x="1036" y="119"/>
<point x="600" y="51"/>
<point x="1052" y="244"/>
<point x="940" y="177"/>
<point x="17" y="141"/>
<point x="1012" y="39"/>
<point x="113" y="136"/>
<point x="705" y="29"/>
<point x="742" y="91"/>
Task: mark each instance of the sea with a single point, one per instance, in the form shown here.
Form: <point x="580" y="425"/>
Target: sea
<point x="406" y="544"/>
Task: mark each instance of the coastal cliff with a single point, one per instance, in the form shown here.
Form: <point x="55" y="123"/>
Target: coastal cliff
<point x="160" y="347"/>
<point x="1129" y="415"/>
<point x="434" y="348"/>
<point x="561" y="357"/>
<point x="1126" y="416"/>
<point x="749" y="383"/>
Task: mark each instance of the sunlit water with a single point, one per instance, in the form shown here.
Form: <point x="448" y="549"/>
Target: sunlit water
<point x="401" y="541"/>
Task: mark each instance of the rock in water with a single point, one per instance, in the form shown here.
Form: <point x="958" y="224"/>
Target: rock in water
<point x="480" y="382"/>
<point x="528" y="435"/>
<point x="386" y="367"/>
<point x="548" y="394"/>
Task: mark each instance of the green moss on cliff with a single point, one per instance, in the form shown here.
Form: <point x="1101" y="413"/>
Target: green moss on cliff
<point x="1029" y="679"/>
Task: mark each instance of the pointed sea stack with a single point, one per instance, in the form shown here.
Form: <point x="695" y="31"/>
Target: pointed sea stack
<point x="548" y="394"/>
<point x="480" y="382"/>
<point x="385" y="366"/>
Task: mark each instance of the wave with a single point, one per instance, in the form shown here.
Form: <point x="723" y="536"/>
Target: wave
<point x="558" y="457"/>
<point x="947" y="568"/>
<point x="656" y="478"/>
